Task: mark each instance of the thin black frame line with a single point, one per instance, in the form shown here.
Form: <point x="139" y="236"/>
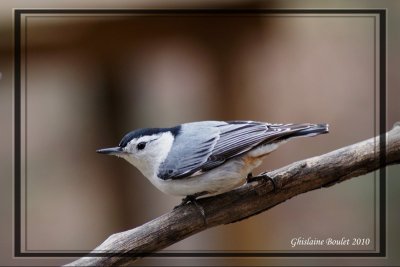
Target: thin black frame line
<point x="189" y="11"/>
<point x="214" y="251"/>
<point x="17" y="133"/>
<point x="26" y="131"/>
<point x="381" y="13"/>
<point x="374" y="108"/>
<point x="206" y="254"/>
<point x="199" y="16"/>
<point x="382" y="126"/>
<point x="25" y="66"/>
<point x="182" y="251"/>
<point x="25" y="49"/>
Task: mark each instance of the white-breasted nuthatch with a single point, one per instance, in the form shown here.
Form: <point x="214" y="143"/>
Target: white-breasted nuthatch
<point x="205" y="158"/>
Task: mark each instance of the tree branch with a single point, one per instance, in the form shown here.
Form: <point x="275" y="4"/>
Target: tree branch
<point x="248" y="200"/>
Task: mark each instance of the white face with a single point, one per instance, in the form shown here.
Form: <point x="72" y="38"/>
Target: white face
<point x="147" y="152"/>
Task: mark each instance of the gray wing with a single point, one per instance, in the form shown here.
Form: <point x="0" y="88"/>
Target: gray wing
<point x="191" y="149"/>
<point x="203" y="146"/>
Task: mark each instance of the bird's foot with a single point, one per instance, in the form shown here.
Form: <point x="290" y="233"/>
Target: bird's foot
<point x="264" y="176"/>
<point x="192" y="199"/>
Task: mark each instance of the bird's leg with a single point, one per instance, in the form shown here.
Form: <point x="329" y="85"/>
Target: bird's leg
<point x="192" y="199"/>
<point x="249" y="178"/>
<point x="199" y="207"/>
<point x="183" y="202"/>
<point x="264" y="176"/>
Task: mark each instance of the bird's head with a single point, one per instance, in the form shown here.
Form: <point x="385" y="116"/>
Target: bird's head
<point x="145" y="149"/>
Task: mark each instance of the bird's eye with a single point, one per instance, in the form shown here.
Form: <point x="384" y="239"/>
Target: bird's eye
<point x="141" y="145"/>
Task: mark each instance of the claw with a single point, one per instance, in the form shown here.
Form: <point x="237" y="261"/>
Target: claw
<point x="192" y="199"/>
<point x="264" y="176"/>
<point x="184" y="201"/>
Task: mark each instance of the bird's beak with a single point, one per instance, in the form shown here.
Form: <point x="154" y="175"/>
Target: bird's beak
<point x="110" y="151"/>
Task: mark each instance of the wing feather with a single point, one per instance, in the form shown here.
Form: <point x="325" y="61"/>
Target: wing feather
<point x="191" y="149"/>
<point x="202" y="146"/>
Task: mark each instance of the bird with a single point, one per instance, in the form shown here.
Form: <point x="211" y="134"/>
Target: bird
<point x="205" y="158"/>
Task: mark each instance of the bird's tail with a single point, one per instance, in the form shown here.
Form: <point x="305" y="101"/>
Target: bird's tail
<point x="304" y="129"/>
<point x="313" y="129"/>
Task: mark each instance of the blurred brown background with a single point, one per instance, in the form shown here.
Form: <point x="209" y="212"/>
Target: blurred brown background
<point x="91" y="79"/>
